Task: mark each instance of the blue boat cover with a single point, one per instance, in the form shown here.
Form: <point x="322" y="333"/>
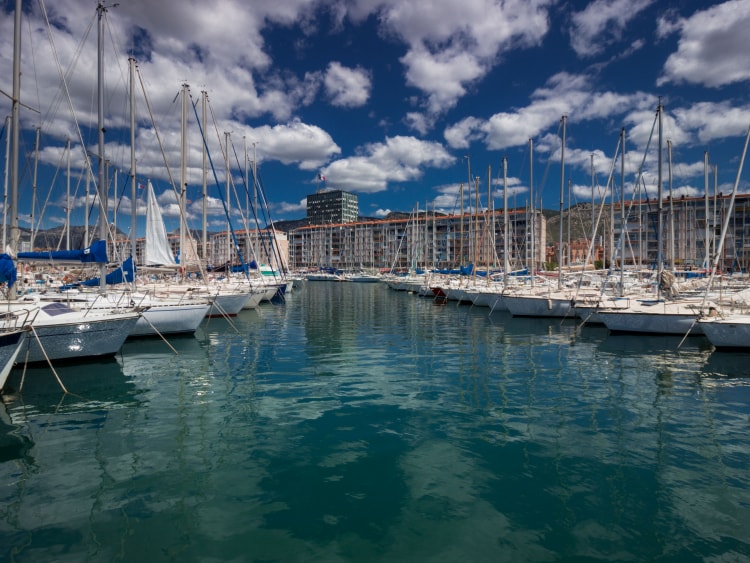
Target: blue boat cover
<point x="125" y="273"/>
<point x="7" y="270"/>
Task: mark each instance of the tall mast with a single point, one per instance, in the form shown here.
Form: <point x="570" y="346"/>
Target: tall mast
<point x="706" y="257"/>
<point x="15" y="108"/>
<point x="256" y="187"/>
<point x="204" y="168"/>
<point x="183" y="174"/>
<point x="5" y="183"/>
<point x="593" y="196"/>
<point x="101" y="187"/>
<point x="622" y="217"/>
<point x="506" y="226"/>
<point x="228" y="197"/>
<point x="562" y="198"/>
<point x="33" y="187"/>
<point x="67" y="199"/>
<point x="659" y="202"/>
<point x="533" y="213"/>
<point x="133" y="187"/>
<point x="671" y="207"/>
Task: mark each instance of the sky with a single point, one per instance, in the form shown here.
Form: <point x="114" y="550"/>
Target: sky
<point x="400" y="102"/>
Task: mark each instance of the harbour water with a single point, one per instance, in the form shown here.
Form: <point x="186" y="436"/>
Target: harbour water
<point x="355" y="423"/>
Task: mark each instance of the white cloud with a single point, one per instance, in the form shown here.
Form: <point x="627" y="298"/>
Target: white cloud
<point x="347" y="87"/>
<point x="453" y="44"/>
<point x="713" y="47"/>
<point x="564" y="94"/>
<point x="602" y="23"/>
<point x="295" y="142"/>
<point x="285" y="207"/>
<point x="398" y="159"/>
<point x="382" y="212"/>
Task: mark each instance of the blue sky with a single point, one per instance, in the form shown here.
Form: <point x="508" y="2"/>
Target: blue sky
<point x="396" y="101"/>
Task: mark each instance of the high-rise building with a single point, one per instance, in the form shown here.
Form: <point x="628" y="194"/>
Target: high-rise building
<point x="334" y="206"/>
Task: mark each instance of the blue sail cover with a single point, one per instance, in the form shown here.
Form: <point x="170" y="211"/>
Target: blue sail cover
<point x="125" y="273"/>
<point x="7" y="270"/>
<point x="96" y="253"/>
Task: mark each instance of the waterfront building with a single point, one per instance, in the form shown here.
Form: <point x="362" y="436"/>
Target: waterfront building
<point x="691" y="231"/>
<point x="423" y="240"/>
<point x="326" y="207"/>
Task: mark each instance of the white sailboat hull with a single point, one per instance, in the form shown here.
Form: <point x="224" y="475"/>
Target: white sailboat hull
<point x="727" y="333"/>
<point x="75" y="336"/>
<point x="170" y="319"/>
<point x="10" y="346"/>
<point x="538" y="306"/>
<point x="662" y="319"/>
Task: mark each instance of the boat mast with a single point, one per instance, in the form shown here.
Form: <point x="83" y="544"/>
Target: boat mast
<point x="671" y="207"/>
<point x="659" y="202"/>
<point x="204" y="168"/>
<point x="622" y="218"/>
<point x="562" y="198"/>
<point x="506" y="226"/>
<point x="705" y="190"/>
<point x="533" y="214"/>
<point x="183" y="175"/>
<point x="101" y="187"/>
<point x="15" y="109"/>
<point x="67" y="198"/>
<point x="133" y="187"/>
<point x="33" y="188"/>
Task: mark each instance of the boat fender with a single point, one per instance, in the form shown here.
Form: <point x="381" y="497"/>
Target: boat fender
<point x="549" y="304"/>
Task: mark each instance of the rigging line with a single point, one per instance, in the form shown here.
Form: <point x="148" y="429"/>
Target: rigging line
<point x="33" y="61"/>
<point x="540" y="186"/>
<point x="57" y="98"/>
<point x="639" y="178"/>
<point x="594" y="228"/>
<point x="49" y="193"/>
<point x="245" y="219"/>
<point x="156" y="130"/>
<point x="65" y="85"/>
<point x="218" y="187"/>
<point x="274" y="243"/>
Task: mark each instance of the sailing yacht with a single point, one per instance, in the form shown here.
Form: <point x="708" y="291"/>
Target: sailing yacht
<point x="59" y="332"/>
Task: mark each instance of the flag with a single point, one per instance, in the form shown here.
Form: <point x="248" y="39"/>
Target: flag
<point x="141" y="186"/>
<point x="321" y="177"/>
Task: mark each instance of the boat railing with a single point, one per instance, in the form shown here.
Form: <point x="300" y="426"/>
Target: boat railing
<point x="11" y="321"/>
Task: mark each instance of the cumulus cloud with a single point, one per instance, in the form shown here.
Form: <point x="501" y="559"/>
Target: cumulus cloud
<point x="286" y="207"/>
<point x="602" y="23"/>
<point x="712" y="48"/>
<point x="453" y="44"/>
<point x="563" y="94"/>
<point x="347" y="87"/>
<point x="398" y="159"/>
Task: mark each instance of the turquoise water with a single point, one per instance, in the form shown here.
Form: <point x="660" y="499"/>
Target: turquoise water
<point x="356" y="423"/>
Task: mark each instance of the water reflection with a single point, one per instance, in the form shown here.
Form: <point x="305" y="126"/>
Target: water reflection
<point x="359" y="423"/>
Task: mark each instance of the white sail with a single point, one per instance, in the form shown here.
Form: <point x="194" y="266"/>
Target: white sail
<point x="157" y="249"/>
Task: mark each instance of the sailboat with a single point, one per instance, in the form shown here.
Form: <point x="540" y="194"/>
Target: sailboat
<point x="666" y="314"/>
<point x="546" y="300"/>
<point x="57" y="331"/>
